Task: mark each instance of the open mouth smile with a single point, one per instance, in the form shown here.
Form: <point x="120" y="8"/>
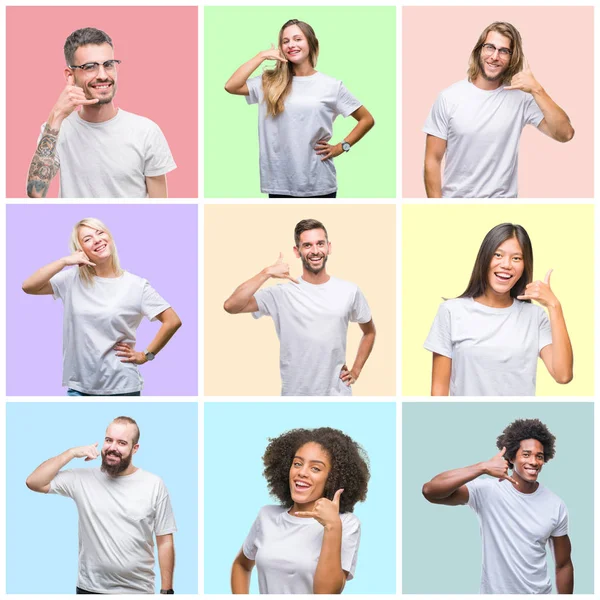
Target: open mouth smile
<point x="301" y="486"/>
<point x="101" y="86"/>
<point x="503" y="276"/>
<point x="101" y="248"/>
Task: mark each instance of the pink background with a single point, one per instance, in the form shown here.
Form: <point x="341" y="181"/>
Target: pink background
<point x="557" y="41"/>
<point x="158" y="79"/>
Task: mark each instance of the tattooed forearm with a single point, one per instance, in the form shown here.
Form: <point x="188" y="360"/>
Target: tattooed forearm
<point x="44" y="165"/>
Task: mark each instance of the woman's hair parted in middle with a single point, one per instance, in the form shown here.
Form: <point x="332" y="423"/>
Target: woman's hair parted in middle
<point x="349" y="465"/>
<point x="277" y="82"/>
<point x="492" y="241"/>
<point x="85" y="271"/>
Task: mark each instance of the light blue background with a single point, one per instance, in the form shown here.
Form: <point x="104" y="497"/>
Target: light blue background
<point x="235" y="438"/>
<point x="41" y="530"/>
<point x="441" y="545"/>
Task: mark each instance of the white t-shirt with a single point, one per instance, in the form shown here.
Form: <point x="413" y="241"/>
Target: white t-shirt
<point x="118" y="517"/>
<point x="289" y="163"/>
<point x="482" y="129"/>
<point x="494" y="351"/>
<point x="515" y="529"/>
<point x="312" y="325"/>
<point x="287" y="549"/>
<point x="110" y="159"/>
<point x="95" y="319"/>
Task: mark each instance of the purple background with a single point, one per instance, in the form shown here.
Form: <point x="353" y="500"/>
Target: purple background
<point x="159" y="243"/>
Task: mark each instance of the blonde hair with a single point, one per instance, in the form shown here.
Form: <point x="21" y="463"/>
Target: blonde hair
<point x="86" y="272"/>
<point x="515" y="64"/>
<point x="277" y="82"/>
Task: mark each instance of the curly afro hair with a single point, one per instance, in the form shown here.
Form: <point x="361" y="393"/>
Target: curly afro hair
<point x="525" y="429"/>
<point x="349" y="465"/>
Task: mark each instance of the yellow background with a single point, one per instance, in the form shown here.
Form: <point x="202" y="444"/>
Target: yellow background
<point x="241" y="354"/>
<point x="439" y="246"/>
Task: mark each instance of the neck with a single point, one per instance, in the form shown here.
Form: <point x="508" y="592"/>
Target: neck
<point x="98" y="113"/>
<point x="304" y="69"/>
<point x="130" y="470"/>
<point x="493" y="300"/>
<point x="105" y="269"/>
<point x="315" y="278"/>
<point x="485" y="84"/>
<point x="525" y="487"/>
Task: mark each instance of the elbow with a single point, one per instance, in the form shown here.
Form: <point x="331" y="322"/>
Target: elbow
<point x="31" y="485"/>
<point x="229" y="307"/>
<point x="369" y="122"/>
<point x="567" y="136"/>
<point x="28" y="289"/>
<point x="564" y="378"/>
<point x="230" y="89"/>
<point x="176" y="324"/>
<point x="426" y="491"/>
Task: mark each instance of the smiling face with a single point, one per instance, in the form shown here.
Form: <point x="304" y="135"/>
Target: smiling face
<point x="294" y="45"/>
<point x="506" y="267"/>
<point x="96" y="244"/>
<point x="493" y="66"/>
<point x="313" y="249"/>
<point x="528" y="461"/>
<point x="118" y="448"/>
<point x="101" y="84"/>
<point x="308" y="474"/>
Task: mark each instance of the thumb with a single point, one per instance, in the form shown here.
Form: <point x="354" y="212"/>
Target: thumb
<point x="525" y="64"/>
<point x="70" y="79"/>
<point x="547" y="278"/>
<point x="336" y="498"/>
<point x="280" y="259"/>
<point x="96" y="444"/>
<point x="502" y="452"/>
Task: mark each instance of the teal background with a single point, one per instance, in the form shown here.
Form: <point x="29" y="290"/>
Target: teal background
<point x="235" y="438"/>
<point x="41" y="529"/>
<point x="441" y="545"/>
<point x="357" y="45"/>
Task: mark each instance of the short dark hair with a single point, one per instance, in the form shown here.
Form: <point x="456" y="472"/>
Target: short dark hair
<point x="84" y="37"/>
<point x="307" y="225"/>
<point x="349" y="465"/>
<point x="525" y="429"/>
<point x="129" y="421"/>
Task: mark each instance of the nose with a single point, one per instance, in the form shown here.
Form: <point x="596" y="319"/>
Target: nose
<point x="505" y="262"/>
<point x="102" y="73"/>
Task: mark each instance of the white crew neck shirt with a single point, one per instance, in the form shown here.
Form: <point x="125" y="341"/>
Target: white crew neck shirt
<point x="289" y="163"/>
<point x="312" y="325"/>
<point x="110" y="159"/>
<point x="494" y="351"/>
<point x="515" y="529"/>
<point x="95" y="319"/>
<point x="118" y="517"/>
<point x="482" y="129"/>
<point x="286" y="549"/>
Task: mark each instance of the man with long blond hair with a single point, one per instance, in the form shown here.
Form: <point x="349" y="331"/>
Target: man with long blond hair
<point x="477" y="123"/>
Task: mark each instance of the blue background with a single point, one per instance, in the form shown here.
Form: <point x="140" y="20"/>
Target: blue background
<point x="41" y="530"/>
<point x="235" y="438"/>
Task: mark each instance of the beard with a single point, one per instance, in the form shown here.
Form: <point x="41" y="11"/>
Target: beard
<point x="499" y="77"/>
<point x="105" y="99"/>
<point x="310" y="267"/>
<point x="114" y="469"/>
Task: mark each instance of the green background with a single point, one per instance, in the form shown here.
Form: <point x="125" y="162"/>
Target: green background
<point x="441" y="545"/>
<point x="357" y="45"/>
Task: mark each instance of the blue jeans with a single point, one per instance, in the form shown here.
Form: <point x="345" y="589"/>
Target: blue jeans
<point x="71" y="392"/>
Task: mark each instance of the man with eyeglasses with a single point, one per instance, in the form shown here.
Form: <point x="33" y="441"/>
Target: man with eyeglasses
<point x="477" y="123"/>
<point x="101" y="151"/>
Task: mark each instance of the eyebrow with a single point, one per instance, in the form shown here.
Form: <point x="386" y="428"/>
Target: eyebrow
<point x="312" y="461"/>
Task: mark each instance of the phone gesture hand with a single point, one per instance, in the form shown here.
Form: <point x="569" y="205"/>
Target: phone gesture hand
<point x="541" y="292"/>
<point x="524" y="80"/>
<point x="87" y="452"/>
<point x="78" y="258"/>
<point x="497" y="466"/>
<point x="280" y="270"/>
<point x="327" y="512"/>
<point x="273" y="54"/>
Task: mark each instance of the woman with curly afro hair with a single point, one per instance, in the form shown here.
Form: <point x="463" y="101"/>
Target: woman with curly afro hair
<point x="308" y="544"/>
<point x="517" y="515"/>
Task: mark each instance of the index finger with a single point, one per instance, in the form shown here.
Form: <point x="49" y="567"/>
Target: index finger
<point x="547" y="278"/>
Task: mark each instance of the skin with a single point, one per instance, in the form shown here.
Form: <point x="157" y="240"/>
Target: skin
<point x="308" y="475"/>
<point x="313" y="250"/>
<point x="508" y="261"/>
<point x="450" y="488"/>
<point x="555" y="124"/>
<point x="95" y="105"/>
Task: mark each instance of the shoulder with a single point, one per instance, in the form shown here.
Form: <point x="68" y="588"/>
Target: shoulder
<point x="350" y="521"/>
<point x="66" y="276"/>
<point x="327" y="79"/>
<point x="342" y="284"/>
<point x="531" y="309"/>
<point x="550" y="497"/>
<point x="137" y="122"/>
<point x="149" y="478"/>
<point x="271" y="512"/>
<point x="456" y="90"/>
<point x="455" y="305"/>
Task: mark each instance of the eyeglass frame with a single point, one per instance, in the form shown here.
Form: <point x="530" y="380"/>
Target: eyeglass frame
<point x="498" y="50"/>
<point x="113" y="60"/>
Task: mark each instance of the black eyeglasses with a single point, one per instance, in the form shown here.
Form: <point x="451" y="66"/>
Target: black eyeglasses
<point x="94" y="67"/>
<point x="490" y="49"/>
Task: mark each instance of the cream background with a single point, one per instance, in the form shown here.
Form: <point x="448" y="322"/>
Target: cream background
<point x="241" y="353"/>
<point x="440" y="244"/>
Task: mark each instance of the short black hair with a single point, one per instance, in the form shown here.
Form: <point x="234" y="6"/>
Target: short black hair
<point x="349" y="465"/>
<point x="307" y="225"/>
<point x="84" y="37"/>
<point x="525" y="429"/>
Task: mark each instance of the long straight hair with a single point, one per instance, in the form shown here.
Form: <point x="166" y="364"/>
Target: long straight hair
<point x="277" y="82"/>
<point x="478" y="283"/>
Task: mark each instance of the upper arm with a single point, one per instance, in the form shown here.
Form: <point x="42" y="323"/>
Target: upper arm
<point x="361" y="113"/>
<point x="546" y="356"/>
<point x="458" y="497"/>
<point x="46" y="290"/>
<point x="163" y="541"/>
<point x="368" y="327"/>
<point x="43" y="490"/>
<point x="435" y="148"/>
<point x="440" y="375"/>
<point x="561" y="548"/>
<point x="157" y="186"/>
<point x="169" y="316"/>
<point x="252" y="306"/>
<point x="244" y="562"/>
<point x="241" y="91"/>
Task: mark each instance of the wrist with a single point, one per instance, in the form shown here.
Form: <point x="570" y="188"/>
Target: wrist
<point x="482" y="469"/>
<point x="555" y="307"/>
<point x="538" y="90"/>
<point x="334" y="526"/>
<point x="55" y="119"/>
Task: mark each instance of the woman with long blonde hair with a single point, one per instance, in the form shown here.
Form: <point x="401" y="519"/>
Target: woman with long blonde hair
<point x="103" y="307"/>
<point x="297" y="107"/>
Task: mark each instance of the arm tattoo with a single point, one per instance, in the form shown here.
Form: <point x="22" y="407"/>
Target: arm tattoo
<point x="44" y="165"/>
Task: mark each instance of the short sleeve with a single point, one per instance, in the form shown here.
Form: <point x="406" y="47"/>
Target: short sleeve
<point x="164" y="520"/>
<point x="64" y="483"/>
<point x="562" y="527"/>
<point x="360" y="313"/>
<point x="249" y="546"/>
<point x="158" y="159"/>
<point x="265" y="299"/>
<point x="533" y="114"/>
<point x="545" y="336"/>
<point x="439" y="339"/>
<point x="350" y="543"/>
<point x="437" y="121"/>
<point x="152" y="302"/>
<point x="254" y="86"/>
<point x="62" y="281"/>
<point x="346" y="103"/>
<point x="475" y="488"/>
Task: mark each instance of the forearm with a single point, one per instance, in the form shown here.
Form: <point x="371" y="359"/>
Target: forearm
<point x="48" y="470"/>
<point x="329" y="576"/>
<point x="45" y="162"/>
<point x="556" y="118"/>
<point x="565" y="578"/>
<point x="244" y="293"/>
<point x="364" y="350"/>
<point x="240" y="579"/>
<point x="363" y="126"/>
<point x="166" y="563"/>
<point x="433" y="178"/>
<point x="445" y="484"/>
<point x="42" y="276"/>
<point x="241" y="75"/>
<point x="562" y="351"/>
<point x="163" y="335"/>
